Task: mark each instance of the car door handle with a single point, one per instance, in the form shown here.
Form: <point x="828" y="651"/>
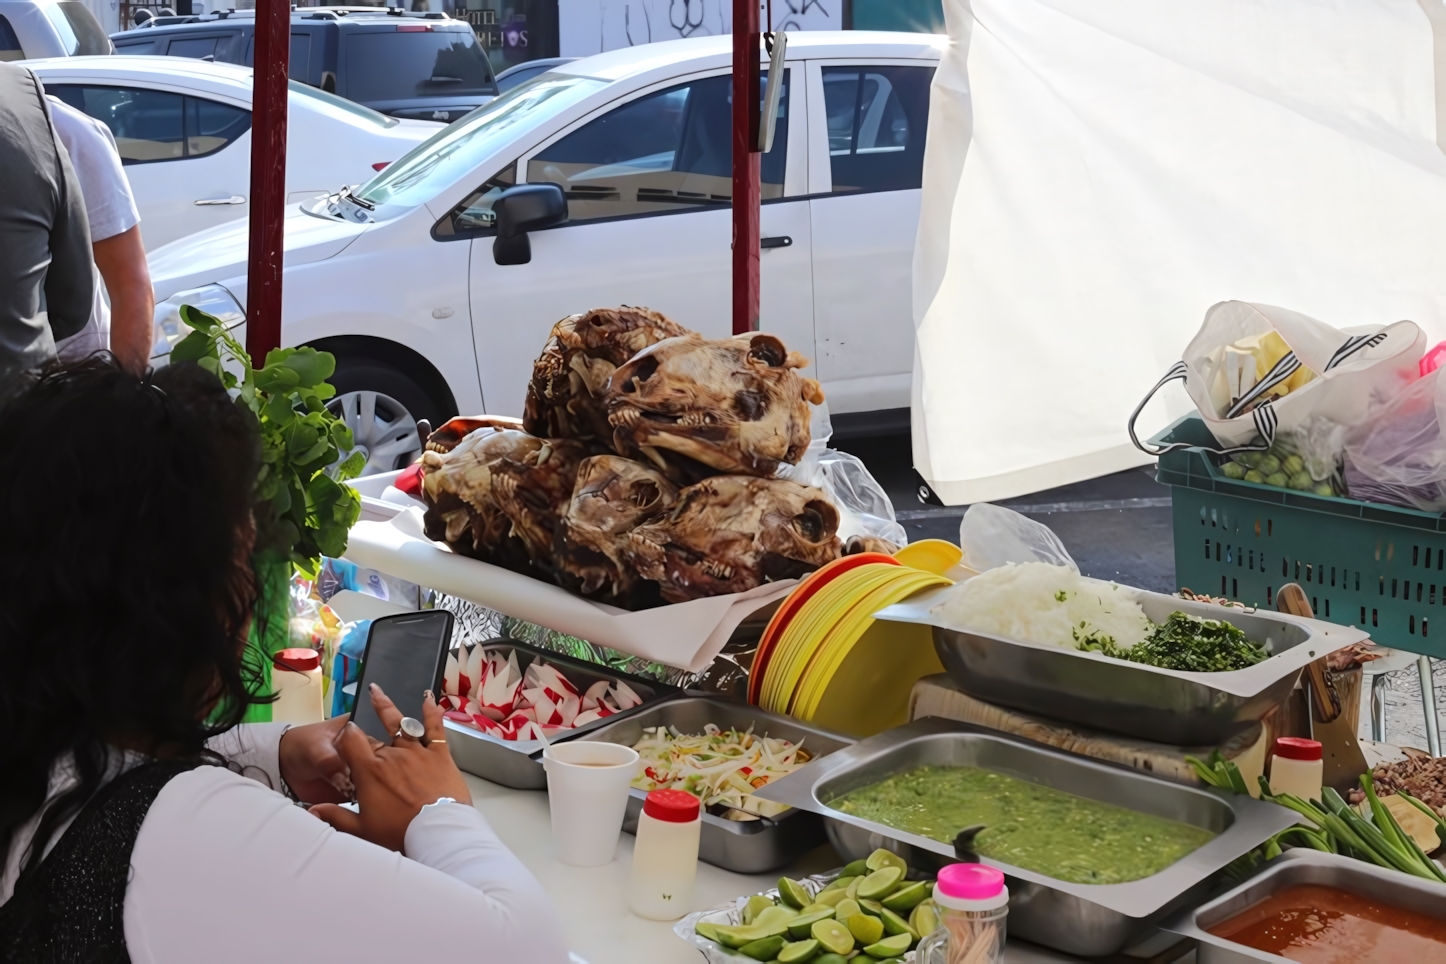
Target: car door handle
<point x="233" y="199"/>
<point x="782" y="241"/>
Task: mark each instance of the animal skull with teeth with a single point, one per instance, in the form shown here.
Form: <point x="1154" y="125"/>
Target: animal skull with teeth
<point x="695" y="408"/>
<point x="731" y="533"/>
<point x="612" y="496"/>
<point x="498" y="495"/>
<point x="565" y="397"/>
<point x="447" y="436"/>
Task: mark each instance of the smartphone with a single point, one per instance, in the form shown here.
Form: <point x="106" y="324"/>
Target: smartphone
<point x="405" y="655"/>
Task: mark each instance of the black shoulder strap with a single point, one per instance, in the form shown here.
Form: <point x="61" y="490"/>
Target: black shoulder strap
<point x="71" y="909"/>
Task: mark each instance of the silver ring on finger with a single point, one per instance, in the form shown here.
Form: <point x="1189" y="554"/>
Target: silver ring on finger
<point x="412" y="729"/>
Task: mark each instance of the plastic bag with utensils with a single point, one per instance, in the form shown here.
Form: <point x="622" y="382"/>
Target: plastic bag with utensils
<point x="1399" y="456"/>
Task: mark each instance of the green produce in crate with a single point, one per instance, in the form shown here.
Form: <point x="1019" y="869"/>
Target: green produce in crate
<point x="1302" y="482"/>
<point x="1277" y="479"/>
<point x="1255" y="475"/>
<point x="1293" y="465"/>
<point x="1268" y="465"/>
<point x="1324" y="488"/>
<point x="799" y="951"/>
<point x="764" y="950"/>
<point x="1250" y="459"/>
<point x="1233" y="470"/>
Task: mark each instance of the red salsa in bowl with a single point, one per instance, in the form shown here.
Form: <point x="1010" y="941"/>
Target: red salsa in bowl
<point x="1325" y="925"/>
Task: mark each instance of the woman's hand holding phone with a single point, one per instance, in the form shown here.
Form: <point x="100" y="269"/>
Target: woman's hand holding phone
<point x="394" y="782"/>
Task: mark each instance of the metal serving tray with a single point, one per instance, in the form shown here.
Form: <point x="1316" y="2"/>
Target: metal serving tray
<point x="1089" y="920"/>
<point x="745" y="847"/>
<point x="1163" y="705"/>
<point x="1293" y="868"/>
<point x="518" y="764"/>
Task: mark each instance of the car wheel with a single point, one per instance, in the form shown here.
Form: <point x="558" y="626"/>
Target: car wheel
<point x="381" y="406"/>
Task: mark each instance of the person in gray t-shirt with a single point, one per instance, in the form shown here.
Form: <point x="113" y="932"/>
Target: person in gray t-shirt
<point x="46" y="281"/>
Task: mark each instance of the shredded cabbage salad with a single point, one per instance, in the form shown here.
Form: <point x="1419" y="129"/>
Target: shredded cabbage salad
<point x="720" y="767"/>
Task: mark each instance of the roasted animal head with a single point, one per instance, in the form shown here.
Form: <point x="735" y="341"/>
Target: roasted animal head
<point x="612" y="496"/>
<point x="498" y="494"/>
<point x="694" y="407"/>
<point x="445" y="438"/>
<point x="457" y="487"/>
<point x="730" y="533"/>
<point x="565" y="397"/>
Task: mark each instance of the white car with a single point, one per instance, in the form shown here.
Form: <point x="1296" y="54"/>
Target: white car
<point x="184" y="132"/>
<point x="49" y="28"/>
<point x="616" y="171"/>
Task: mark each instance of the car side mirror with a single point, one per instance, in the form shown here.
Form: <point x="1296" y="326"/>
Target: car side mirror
<point x="527" y="207"/>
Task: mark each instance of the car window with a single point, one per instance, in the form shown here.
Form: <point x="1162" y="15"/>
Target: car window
<point x="9" y="43"/>
<point x="455" y="151"/>
<point x="521" y="75"/>
<point x="197" y="47"/>
<point x="299" y="66"/>
<point x="877" y="118"/>
<point x="80" y="33"/>
<point x="474" y="215"/>
<point x="140" y="47"/>
<point x="664" y="152"/>
<point x="414" y="60"/>
<point x="339" y="106"/>
<point x="152" y="125"/>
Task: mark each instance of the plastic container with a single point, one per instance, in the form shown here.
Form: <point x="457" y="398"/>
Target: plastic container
<point x="665" y="856"/>
<point x="973" y="903"/>
<point x="587" y="795"/>
<point x="1378" y="567"/>
<point x="1296" y="767"/>
<point x="296" y="679"/>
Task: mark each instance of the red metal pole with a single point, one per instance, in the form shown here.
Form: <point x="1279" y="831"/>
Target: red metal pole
<point x="746" y="160"/>
<point x="268" y="177"/>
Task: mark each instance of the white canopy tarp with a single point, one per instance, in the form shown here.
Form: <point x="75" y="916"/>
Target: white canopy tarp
<point x="1100" y="172"/>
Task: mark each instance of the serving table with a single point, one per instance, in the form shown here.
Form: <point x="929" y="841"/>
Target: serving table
<point x="591" y="902"/>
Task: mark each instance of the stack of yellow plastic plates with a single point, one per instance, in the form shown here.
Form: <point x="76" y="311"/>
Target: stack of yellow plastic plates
<point x="827" y="659"/>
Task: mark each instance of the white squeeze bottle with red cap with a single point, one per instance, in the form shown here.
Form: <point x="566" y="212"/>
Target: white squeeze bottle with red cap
<point x="972" y="902"/>
<point x="1296" y="767"/>
<point x="665" y="855"/>
<point x="296" y="678"/>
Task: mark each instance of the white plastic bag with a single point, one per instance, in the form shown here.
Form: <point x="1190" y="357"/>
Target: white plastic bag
<point x="1354" y="371"/>
<point x="992" y="536"/>
<point x="864" y="508"/>
<point x="1399" y="456"/>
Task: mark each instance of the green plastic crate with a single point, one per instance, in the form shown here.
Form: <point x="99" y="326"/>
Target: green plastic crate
<point x="1364" y="564"/>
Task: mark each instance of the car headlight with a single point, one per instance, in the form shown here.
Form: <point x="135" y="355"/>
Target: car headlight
<point x="212" y="299"/>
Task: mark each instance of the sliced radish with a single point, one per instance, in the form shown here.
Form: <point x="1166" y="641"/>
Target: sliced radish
<point x="626" y="698"/>
<point x="449" y="675"/>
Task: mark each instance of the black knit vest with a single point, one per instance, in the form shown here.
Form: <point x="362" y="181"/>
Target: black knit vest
<point x="71" y="909"/>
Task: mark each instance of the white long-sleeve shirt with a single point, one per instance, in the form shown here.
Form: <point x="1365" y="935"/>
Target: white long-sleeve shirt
<point x="226" y="869"/>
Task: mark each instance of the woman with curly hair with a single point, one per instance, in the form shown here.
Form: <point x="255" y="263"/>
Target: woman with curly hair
<point x="138" y="821"/>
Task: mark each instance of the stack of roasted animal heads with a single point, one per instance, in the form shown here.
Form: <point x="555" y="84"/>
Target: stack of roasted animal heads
<point x="731" y="533"/>
<point x="498" y="495"/>
<point x="612" y="496"/>
<point x="565" y="398"/>
<point x="694" y="408"/>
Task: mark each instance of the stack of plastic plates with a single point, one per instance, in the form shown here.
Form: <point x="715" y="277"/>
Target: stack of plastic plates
<point x="823" y="658"/>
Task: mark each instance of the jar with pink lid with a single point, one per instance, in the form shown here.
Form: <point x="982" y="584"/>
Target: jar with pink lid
<point x="973" y="903"/>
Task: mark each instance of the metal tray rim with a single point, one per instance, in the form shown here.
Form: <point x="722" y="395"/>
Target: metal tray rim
<point x="1322" y="639"/>
<point x="1254" y="821"/>
<point x="1184" y="921"/>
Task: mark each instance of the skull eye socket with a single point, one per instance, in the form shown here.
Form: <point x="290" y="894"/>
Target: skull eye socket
<point x="769" y="350"/>
<point x="751" y="406"/>
<point x="816" y="522"/>
<point x="646" y="367"/>
<point x="643" y="494"/>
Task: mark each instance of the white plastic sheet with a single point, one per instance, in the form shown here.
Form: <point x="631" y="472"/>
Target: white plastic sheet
<point x="1100" y="174"/>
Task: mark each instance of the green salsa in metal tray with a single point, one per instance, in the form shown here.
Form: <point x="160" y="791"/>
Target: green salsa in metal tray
<point x="1026" y="825"/>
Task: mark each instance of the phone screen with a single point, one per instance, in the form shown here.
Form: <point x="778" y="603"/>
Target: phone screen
<point x="405" y="655"/>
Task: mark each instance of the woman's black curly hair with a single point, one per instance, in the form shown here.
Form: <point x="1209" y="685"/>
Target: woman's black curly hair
<point x="126" y="586"/>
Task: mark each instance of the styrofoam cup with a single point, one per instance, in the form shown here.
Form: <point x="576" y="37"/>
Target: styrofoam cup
<point x="587" y="792"/>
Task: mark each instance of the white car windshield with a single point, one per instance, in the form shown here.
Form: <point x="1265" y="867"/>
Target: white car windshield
<point x="340" y="108"/>
<point x="455" y="151"/>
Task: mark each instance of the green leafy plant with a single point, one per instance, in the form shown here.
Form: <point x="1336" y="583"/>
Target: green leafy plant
<point x="303" y="512"/>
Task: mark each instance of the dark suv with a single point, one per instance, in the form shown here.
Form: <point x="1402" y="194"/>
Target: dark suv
<point x="423" y="66"/>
